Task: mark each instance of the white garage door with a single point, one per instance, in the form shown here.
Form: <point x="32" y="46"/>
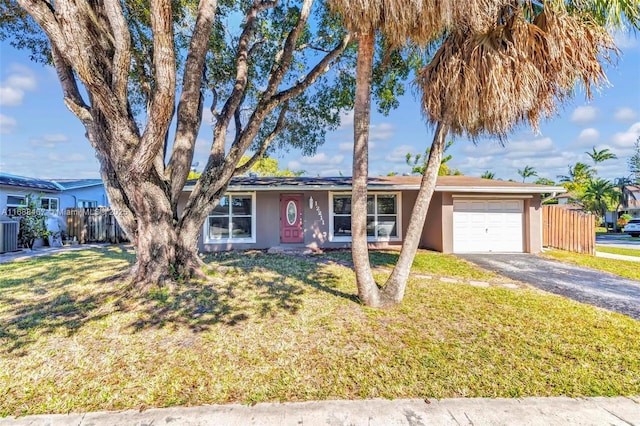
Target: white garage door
<point x="481" y="226"/>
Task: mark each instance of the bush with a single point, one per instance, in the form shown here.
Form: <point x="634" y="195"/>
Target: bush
<point x="32" y="223"/>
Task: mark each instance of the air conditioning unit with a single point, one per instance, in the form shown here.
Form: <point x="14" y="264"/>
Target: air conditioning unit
<point x="8" y="234"/>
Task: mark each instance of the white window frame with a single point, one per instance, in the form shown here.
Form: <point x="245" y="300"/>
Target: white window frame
<point x="49" y="198"/>
<point x="341" y="239"/>
<point x="205" y="229"/>
<point x="13" y="205"/>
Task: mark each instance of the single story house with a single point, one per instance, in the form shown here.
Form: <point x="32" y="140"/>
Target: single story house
<point x="466" y="214"/>
<point x="54" y="196"/>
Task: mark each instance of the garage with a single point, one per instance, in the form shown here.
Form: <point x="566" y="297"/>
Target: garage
<point x="483" y="226"/>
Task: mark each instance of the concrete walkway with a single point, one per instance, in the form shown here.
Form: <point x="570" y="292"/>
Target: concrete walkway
<point x="46" y="251"/>
<point x="621" y="411"/>
<point x="617" y="256"/>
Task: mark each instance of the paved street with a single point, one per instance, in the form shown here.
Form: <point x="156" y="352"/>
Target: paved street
<point x="618" y="240"/>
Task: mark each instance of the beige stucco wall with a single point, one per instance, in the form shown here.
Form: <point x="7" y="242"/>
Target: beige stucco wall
<point x="432" y="231"/>
<point x="437" y="233"/>
<point x="532" y="222"/>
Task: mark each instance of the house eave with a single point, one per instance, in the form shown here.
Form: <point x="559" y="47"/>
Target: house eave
<point x="374" y="187"/>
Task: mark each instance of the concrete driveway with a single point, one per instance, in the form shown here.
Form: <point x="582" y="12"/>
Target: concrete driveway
<point x="582" y="284"/>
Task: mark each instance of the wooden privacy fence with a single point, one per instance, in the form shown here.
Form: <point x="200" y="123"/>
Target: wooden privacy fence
<point x="96" y="225"/>
<point x="568" y="230"/>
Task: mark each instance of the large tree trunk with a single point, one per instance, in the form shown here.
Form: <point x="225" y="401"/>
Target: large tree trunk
<point x="393" y="291"/>
<point x="368" y="291"/>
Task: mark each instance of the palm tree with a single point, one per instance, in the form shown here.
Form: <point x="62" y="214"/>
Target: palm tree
<point x="485" y="81"/>
<point x="488" y="175"/>
<point x="577" y="179"/>
<point x="398" y="21"/>
<point x="418" y="167"/>
<point x="496" y="68"/>
<point x="598" y="194"/>
<point x="528" y="171"/>
<point x="600" y="156"/>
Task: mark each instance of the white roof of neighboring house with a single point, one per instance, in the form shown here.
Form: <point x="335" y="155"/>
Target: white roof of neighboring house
<point x="43" y="185"/>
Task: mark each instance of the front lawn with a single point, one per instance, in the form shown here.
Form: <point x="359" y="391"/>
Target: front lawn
<point x="278" y="328"/>
<point x="623" y="268"/>
<point x="425" y="262"/>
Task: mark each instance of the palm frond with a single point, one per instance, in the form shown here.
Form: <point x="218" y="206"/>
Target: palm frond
<point x="515" y="71"/>
<point x="420" y="21"/>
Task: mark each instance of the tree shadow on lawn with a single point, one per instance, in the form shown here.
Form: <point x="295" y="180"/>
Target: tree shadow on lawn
<point x="56" y="293"/>
<point x="243" y="285"/>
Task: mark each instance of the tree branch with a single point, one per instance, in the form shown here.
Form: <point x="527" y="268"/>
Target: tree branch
<point x="72" y="97"/>
<point x="320" y="68"/>
<point x="122" y="57"/>
<point x="265" y="143"/>
<point x="163" y="98"/>
<point x="282" y="66"/>
<point x="191" y="100"/>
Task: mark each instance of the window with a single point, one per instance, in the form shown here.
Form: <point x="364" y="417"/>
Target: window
<point x="47" y="203"/>
<point x="86" y="204"/>
<point x="232" y="220"/>
<point x="383" y="213"/>
<point x="14" y="202"/>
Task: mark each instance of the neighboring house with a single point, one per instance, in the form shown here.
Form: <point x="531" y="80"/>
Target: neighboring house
<point x="53" y="195"/>
<point x="466" y="214"/>
<point x="631" y="204"/>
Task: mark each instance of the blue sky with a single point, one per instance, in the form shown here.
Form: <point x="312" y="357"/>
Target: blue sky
<point x="40" y="138"/>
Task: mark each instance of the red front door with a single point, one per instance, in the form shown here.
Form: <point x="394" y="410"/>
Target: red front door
<point x="291" y="219"/>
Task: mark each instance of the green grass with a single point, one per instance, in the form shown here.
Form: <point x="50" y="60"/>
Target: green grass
<point x="623" y="268"/>
<point x="276" y="328"/>
<point x="619" y="250"/>
<point x="425" y="262"/>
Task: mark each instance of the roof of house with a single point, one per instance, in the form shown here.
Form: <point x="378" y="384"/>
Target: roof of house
<point x="444" y="184"/>
<point x="27" y="183"/>
<point x="55" y="185"/>
<point x="66" y="184"/>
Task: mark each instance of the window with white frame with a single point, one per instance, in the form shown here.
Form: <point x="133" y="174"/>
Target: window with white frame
<point x="14" y="202"/>
<point x="48" y="203"/>
<point x="383" y="217"/>
<point x="232" y="220"/>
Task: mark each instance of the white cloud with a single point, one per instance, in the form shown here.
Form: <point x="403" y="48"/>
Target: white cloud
<point x="381" y="132"/>
<point x="10" y="96"/>
<point x="584" y="115"/>
<point x="13" y="88"/>
<point x="625" y="41"/>
<point x="346" y="120"/>
<point x="625" y="115"/>
<point x="322" y="159"/>
<point x="626" y="139"/>
<point x="399" y="155"/>
<point x="539" y="147"/>
<point x="65" y="157"/>
<point x="49" y="140"/>
<point x="7" y="124"/>
<point x="348" y="146"/>
<point x="588" y="136"/>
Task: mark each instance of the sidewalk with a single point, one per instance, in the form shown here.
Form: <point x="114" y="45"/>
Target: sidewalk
<point x="45" y="251"/>
<point x="412" y="412"/>
<point x="617" y="256"/>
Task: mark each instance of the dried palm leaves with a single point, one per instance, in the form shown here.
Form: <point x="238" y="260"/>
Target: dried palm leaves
<point x="419" y="20"/>
<point x="515" y="70"/>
